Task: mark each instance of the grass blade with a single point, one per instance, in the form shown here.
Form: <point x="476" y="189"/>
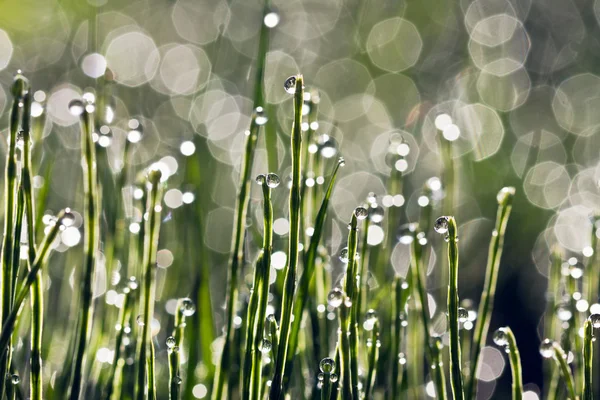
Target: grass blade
<point x="309" y="266"/>
<point x="486" y="304"/>
<point x="149" y="281"/>
<point x="91" y="239"/>
<point x="236" y="260"/>
<point x="504" y="337"/>
<point x="290" y="277"/>
<point x="447" y="225"/>
<point x="587" y="391"/>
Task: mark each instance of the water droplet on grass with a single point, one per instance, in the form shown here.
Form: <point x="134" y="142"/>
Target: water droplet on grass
<point x="335" y="297"/>
<point x="171" y="342"/>
<point x="547" y="348"/>
<point x="76" y="107"/>
<point x="327" y="365"/>
<point x="500" y="337"/>
<point x="290" y="85"/>
<point x="441" y="225"/>
<point x="361" y="213"/>
<point x="273" y="180"/>
<point x="187" y="307"/>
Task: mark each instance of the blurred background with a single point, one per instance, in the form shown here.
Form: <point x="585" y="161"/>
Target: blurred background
<point x="517" y="77"/>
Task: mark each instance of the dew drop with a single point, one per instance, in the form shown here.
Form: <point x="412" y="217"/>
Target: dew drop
<point x="333" y="378"/>
<point x="341" y="162"/>
<point x="406" y="233"/>
<point x="132" y="284"/>
<point x="344" y="255"/>
<point x="140" y="320"/>
<point x="501" y="337"/>
<point x="595" y="320"/>
<point x="178" y="380"/>
<point x="327" y="365"/>
<point x="290" y="85"/>
<point x="260" y="179"/>
<point x="463" y="315"/>
<point x="187" y="307"/>
<point x="376" y="213"/>
<point x="260" y="116"/>
<point x="563" y="312"/>
<point x="76" y="107"/>
<point x="273" y="180"/>
<point x="271" y="19"/>
<point x="68" y="218"/>
<point x="171" y="342"/>
<point x="361" y="213"/>
<point x="441" y="225"/>
<point x="547" y="348"/>
<point x="505" y="194"/>
<point x="15" y="379"/>
<point x="271" y="318"/>
<point x="328" y="146"/>
<point x="265" y="346"/>
<point x="335" y="297"/>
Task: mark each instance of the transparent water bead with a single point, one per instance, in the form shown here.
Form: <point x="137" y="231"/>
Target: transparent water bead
<point x="260" y="116"/>
<point x="328" y="146"/>
<point x="132" y="283"/>
<point x="547" y="348"/>
<point x="361" y="213"/>
<point x="187" y="307"/>
<point x="595" y="320"/>
<point x="68" y="218"/>
<point x="335" y="298"/>
<point x="170" y="342"/>
<point x="76" y="107"/>
<point x="463" y="315"/>
<point x="273" y="180"/>
<point x="15" y="379"/>
<point x="140" y="320"/>
<point x="333" y="378"/>
<point x="501" y="337"/>
<point x="290" y="85"/>
<point x="260" y="179"/>
<point x="441" y="225"/>
<point x="271" y="19"/>
<point x="371" y="316"/>
<point x="344" y="255"/>
<point x="505" y="193"/>
<point x="341" y="162"/>
<point x="327" y="365"/>
<point x="563" y="312"/>
<point x="265" y="346"/>
<point x="376" y="213"/>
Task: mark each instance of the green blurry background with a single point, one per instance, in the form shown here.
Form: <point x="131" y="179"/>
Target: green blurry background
<point x="517" y="77"/>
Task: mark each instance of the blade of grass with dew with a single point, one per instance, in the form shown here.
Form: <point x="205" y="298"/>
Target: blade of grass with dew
<point x="19" y="88"/>
<point x="560" y="357"/>
<point x="185" y="308"/>
<point x="505" y="338"/>
<point x="91" y="239"/>
<point x="551" y="327"/>
<point x="587" y="391"/>
<point x="423" y="306"/>
<point x="400" y="295"/>
<point x="37" y="292"/>
<point x="373" y="346"/>
<point x="259" y="342"/>
<point x="309" y="267"/>
<point x="249" y="334"/>
<point x="149" y="263"/>
<point x="115" y="378"/>
<point x="352" y="285"/>
<point x="447" y="226"/>
<point x="236" y="260"/>
<point x="486" y="304"/>
<point x="21" y="294"/>
<point x="289" y="289"/>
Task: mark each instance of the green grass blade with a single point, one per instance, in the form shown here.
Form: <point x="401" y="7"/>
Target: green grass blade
<point x="309" y="266"/>
<point x="587" y="391"/>
<point x="276" y="390"/>
<point x="149" y="282"/>
<point x="486" y="304"/>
